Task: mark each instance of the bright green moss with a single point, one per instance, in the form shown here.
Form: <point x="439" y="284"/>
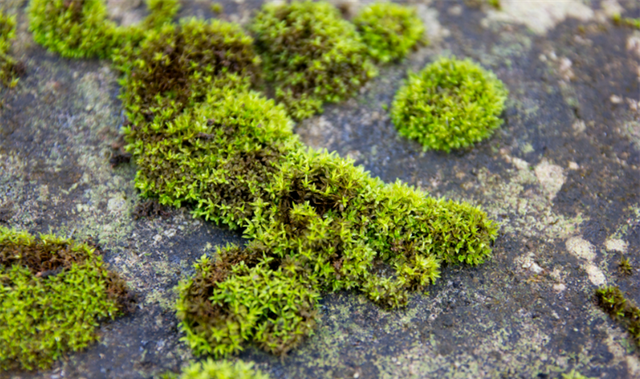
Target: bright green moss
<point x="8" y="64"/>
<point x="311" y="55"/>
<point x="211" y="369"/>
<point x="612" y="301"/>
<point x="574" y="375"/>
<point x="173" y="67"/>
<point x="317" y="223"/>
<point x="73" y="28"/>
<point x="389" y="30"/>
<point x="53" y="292"/>
<point x="80" y="28"/>
<point x="450" y="104"/>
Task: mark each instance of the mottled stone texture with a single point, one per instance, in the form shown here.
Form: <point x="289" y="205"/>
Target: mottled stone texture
<point x="562" y="177"/>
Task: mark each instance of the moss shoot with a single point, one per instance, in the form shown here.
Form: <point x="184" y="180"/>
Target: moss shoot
<point x="311" y="55"/>
<point x="389" y="30"/>
<point x="211" y="369"/>
<point x="53" y="292"/>
<point x="9" y="67"/>
<point x="612" y="301"/>
<point x="450" y="104"/>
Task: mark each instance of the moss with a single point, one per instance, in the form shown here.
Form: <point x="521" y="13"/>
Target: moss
<point x="574" y="375"/>
<point x="73" y="28"/>
<point x="173" y="67"/>
<point x="317" y="223"/>
<point x="211" y="369"/>
<point x="612" y="301"/>
<point x="389" y="30"/>
<point x="311" y="55"/>
<point x="449" y="105"/>
<point x="9" y="67"/>
<point x="53" y="292"/>
<point x="217" y="8"/>
<point x="495" y="3"/>
<point x="625" y="267"/>
<point x="81" y="29"/>
<point x="626" y="21"/>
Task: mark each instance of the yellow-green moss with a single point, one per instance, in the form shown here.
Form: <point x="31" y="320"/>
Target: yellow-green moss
<point x="450" y="104"/>
<point x="311" y="55"/>
<point x="53" y="292"/>
<point x="389" y="30"/>
<point x="211" y="369"/>
<point x="8" y="65"/>
<point x="612" y="301"/>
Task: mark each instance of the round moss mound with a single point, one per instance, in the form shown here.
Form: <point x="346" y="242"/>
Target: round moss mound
<point x="311" y="55"/>
<point x="53" y="292"/>
<point x="450" y="104"/>
<point x="211" y="369"/>
<point x="389" y="30"/>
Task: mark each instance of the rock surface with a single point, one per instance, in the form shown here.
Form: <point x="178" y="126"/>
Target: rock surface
<point x="561" y="176"/>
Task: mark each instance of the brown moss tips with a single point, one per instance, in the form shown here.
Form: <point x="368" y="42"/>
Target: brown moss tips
<point x="612" y="301"/>
<point x="53" y="292"/>
<point x="175" y="65"/>
<point x="311" y="55"/>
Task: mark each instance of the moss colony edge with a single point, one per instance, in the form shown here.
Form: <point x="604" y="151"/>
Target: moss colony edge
<point x="53" y="292"/>
<point x="203" y="137"/>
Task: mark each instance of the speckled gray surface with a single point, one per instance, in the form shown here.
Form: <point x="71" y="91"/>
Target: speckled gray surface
<point x="561" y="176"/>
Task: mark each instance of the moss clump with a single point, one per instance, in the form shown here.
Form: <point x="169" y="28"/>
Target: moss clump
<point x="53" y="291"/>
<point x="211" y="369"/>
<point x="612" y="301"/>
<point x="317" y="223"/>
<point x="574" y="375"/>
<point x="311" y="55"/>
<point x="81" y="28"/>
<point x="625" y="267"/>
<point x="173" y="67"/>
<point x="450" y="104"/>
<point x="389" y="30"/>
<point x="8" y="65"/>
<point x="73" y="28"/>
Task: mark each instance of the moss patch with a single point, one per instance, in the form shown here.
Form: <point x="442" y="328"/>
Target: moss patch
<point x="173" y="67"/>
<point x="612" y="301"/>
<point x="389" y="30"/>
<point x="311" y="55"/>
<point x="210" y="369"/>
<point x="9" y="67"/>
<point x="450" y="104"/>
<point x="53" y="292"/>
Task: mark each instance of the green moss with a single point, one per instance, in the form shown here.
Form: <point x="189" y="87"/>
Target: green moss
<point x="173" y="67"/>
<point x="73" y="28"/>
<point x="449" y="105"/>
<point x="625" y="267"/>
<point x="495" y="3"/>
<point x="210" y="369"/>
<point x="161" y="12"/>
<point x="53" y="292"/>
<point x="311" y="55"/>
<point x="612" y="301"/>
<point x="217" y="8"/>
<point x="389" y="30"/>
<point x="81" y="29"/>
<point x="626" y="21"/>
<point x="574" y="375"/>
<point x="8" y="65"/>
<point x="317" y="223"/>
